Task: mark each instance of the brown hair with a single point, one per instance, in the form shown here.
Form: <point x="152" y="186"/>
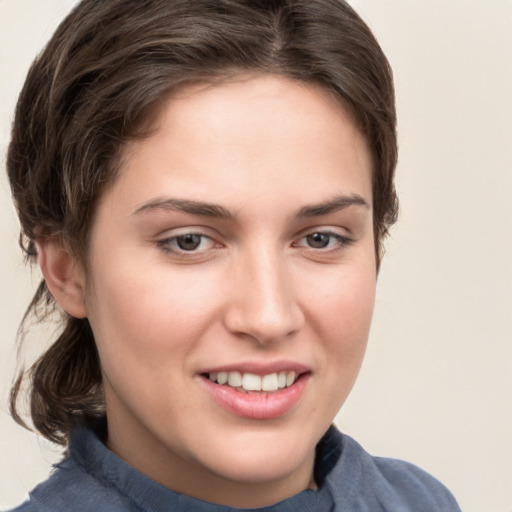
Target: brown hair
<point x="93" y="89"/>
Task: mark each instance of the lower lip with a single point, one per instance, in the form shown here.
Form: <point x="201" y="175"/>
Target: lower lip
<point x="258" y="405"/>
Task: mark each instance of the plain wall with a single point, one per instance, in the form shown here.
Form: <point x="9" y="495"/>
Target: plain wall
<point x="436" y="386"/>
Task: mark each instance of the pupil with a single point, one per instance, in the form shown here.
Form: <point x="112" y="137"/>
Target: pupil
<point x="188" y="242"/>
<point x="318" y="240"/>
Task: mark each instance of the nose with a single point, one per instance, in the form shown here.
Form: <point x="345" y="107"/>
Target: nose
<point x="263" y="304"/>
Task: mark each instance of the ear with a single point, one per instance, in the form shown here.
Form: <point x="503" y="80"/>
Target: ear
<point x="63" y="275"/>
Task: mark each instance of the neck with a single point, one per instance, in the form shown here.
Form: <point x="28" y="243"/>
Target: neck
<point x="193" y="479"/>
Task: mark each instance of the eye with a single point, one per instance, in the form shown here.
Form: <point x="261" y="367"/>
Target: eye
<point x="319" y="240"/>
<point x="326" y="240"/>
<point x="186" y="243"/>
<point x="189" y="242"/>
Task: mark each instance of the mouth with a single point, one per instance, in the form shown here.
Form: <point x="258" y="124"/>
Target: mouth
<point x="251" y="382"/>
<point x="255" y="392"/>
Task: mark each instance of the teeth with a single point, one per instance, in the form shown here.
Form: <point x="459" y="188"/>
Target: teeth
<point x="290" y="378"/>
<point x="269" y="382"/>
<point x="252" y="382"/>
<point x="235" y="379"/>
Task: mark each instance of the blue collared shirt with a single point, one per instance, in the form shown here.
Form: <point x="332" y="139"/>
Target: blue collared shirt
<point x="93" y="479"/>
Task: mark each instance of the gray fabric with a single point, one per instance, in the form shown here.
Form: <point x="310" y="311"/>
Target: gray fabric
<point x="94" y="479"/>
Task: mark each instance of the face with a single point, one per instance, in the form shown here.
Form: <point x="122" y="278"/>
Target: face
<point x="236" y="244"/>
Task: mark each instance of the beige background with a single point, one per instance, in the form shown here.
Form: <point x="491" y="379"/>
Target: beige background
<point x="436" y="387"/>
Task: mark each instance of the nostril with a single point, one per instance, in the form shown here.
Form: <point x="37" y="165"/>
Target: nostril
<point x="263" y="304"/>
<point x="264" y="326"/>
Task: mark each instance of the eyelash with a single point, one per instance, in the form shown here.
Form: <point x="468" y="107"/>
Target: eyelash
<point x="170" y="245"/>
<point x="166" y="244"/>
<point x="341" y="241"/>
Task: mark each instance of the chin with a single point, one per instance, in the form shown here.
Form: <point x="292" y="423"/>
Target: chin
<point x="265" y="469"/>
<point x="263" y="457"/>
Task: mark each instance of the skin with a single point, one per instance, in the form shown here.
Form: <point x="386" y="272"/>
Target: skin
<point x="262" y="148"/>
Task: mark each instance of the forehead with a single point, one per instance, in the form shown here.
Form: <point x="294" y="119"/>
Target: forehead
<point x="249" y="133"/>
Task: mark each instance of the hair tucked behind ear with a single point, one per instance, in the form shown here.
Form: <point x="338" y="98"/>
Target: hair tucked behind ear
<point x="66" y="380"/>
<point x="96" y="86"/>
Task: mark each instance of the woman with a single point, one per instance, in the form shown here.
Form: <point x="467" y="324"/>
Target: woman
<point x="206" y="187"/>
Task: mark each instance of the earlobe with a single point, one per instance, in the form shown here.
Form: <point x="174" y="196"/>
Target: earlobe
<point x="63" y="275"/>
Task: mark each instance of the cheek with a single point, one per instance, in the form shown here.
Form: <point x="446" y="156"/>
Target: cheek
<point x="344" y="296"/>
<point x="343" y="314"/>
<point x="149" y="319"/>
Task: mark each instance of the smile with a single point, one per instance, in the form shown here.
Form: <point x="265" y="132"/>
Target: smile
<point x="252" y="382"/>
<point x="255" y="391"/>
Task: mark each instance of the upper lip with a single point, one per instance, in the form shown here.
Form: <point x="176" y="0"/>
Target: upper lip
<point x="259" y="367"/>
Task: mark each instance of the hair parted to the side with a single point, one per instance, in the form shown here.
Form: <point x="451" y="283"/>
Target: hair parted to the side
<point x="97" y="85"/>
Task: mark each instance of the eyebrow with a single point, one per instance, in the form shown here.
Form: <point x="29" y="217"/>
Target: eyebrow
<point x="331" y="206"/>
<point x="186" y="206"/>
<point x="204" y="209"/>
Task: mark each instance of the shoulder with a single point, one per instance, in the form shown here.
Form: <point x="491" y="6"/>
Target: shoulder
<point x="362" y="482"/>
<point x="24" y="507"/>
<point x="412" y="485"/>
<point x="71" y="486"/>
